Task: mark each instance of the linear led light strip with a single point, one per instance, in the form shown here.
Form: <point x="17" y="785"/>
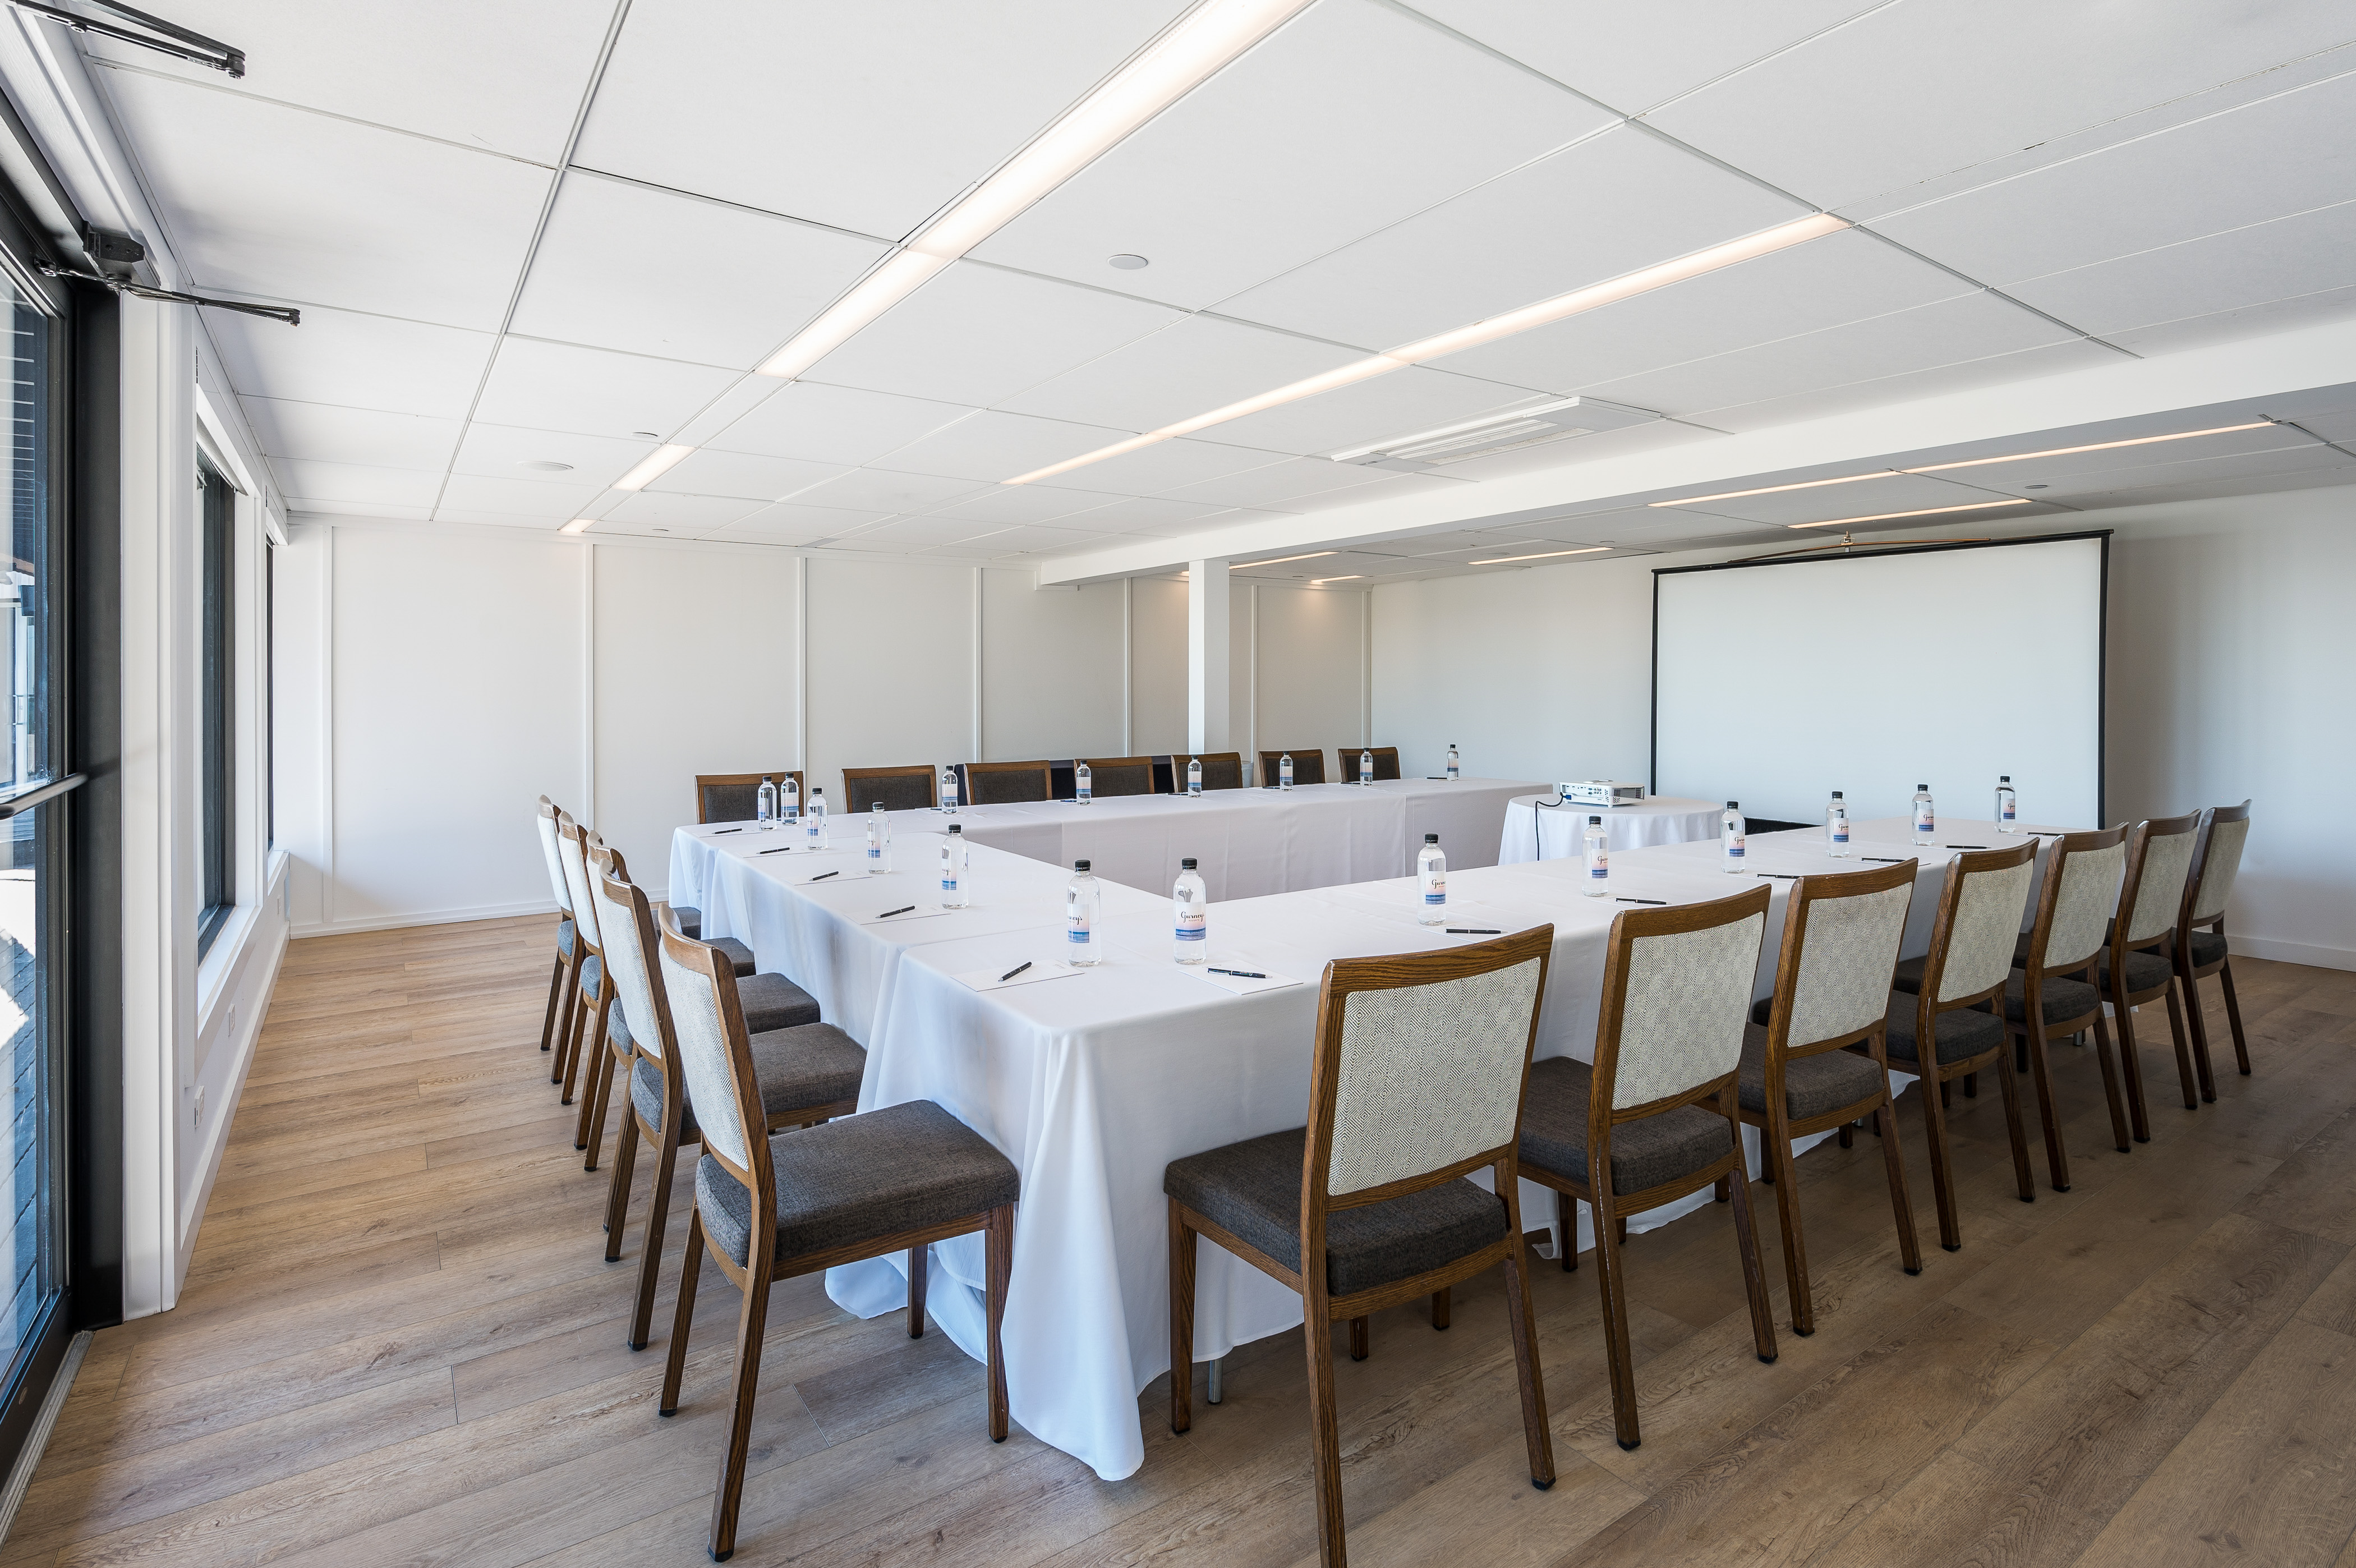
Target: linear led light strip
<point x="1964" y="463"/>
<point x="1488" y="330"/>
<point x="1925" y="512"/>
<point x="1541" y="555"/>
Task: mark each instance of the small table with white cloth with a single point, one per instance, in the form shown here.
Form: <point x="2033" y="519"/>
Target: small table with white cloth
<point x="1558" y="833"/>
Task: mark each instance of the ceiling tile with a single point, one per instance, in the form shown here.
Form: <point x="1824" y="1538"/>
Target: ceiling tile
<point x="1153" y="514"/>
<point x="1387" y="486"/>
<point x="1625" y="442"/>
<point x="2068" y="478"/>
<point x="302" y="509"/>
<point x="681" y="277"/>
<point x="289" y="204"/>
<point x="351" y="361"/>
<point x="682" y="512"/>
<point x="1281" y="484"/>
<point x="1402" y="403"/>
<point x="995" y="446"/>
<point x="479" y="492"/>
<point x="593" y="391"/>
<point x="1839" y="119"/>
<point x="1001" y="506"/>
<point x="2007" y="478"/>
<point x="1874" y="392"/>
<point x="978" y="335"/>
<point x="867" y="117"/>
<point x="2285" y="258"/>
<point x="1163" y="466"/>
<point x="1199" y="364"/>
<point x="2317" y="310"/>
<point x="1029" y="541"/>
<point x="353" y="482"/>
<point x="715" y="473"/>
<point x="500" y="451"/>
<point x="824" y="423"/>
<point x="546" y="522"/>
<point x="329" y="434"/>
<point x="920" y="534"/>
<point x="808" y="522"/>
<point x="879" y="490"/>
<point x="1610" y="205"/>
<point x="1351" y="117"/>
<point x="1893" y="492"/>
<point x="2219" y="490"/>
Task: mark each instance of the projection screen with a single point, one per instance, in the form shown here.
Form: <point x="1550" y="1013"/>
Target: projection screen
<point x="1776" y="682"/>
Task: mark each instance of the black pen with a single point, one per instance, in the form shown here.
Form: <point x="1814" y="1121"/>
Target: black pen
<point x="1015" y="971"/>
<point x="824" y="875"/>
<point x="1787" y="876"/>
<point x="1474" y="931"/>
<point x="1239" y="973"/>
<point x="900" y="910"/>
<point x="1886" y="859"/>
<point x="1962" y="846"/>
<point x="717" y="831"/>
<point x="1623" y="899"/>
<point x="779" y="850"/>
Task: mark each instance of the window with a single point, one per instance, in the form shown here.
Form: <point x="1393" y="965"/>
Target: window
<point x="218" y="675"/>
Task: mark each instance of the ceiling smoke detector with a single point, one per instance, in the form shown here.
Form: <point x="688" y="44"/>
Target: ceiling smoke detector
<point x="545" y="466"/>
<point x="1557" y="419"/>
<point x="1127" y="262"/>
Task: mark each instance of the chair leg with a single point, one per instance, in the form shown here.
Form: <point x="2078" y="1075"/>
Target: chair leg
<point x="998" y="1243"/>
<point x="1971" y="1086"/>
<point x="1746" y="1237"/>
<point x="609" y="1066"/>
<point x="566" y="1012"/>
<point x="642" y="1315"/>
<point x="1943" y="1186"/>
<point x="1566" y="1220"/>
<point x="1608" y="1266"/>
<point x="1724" y="1191"/>
<point x="683" y="1314"/>
<point x="1847" y="1135"/>
<point x="2233" y="1017"/>
<point x="2008" y="1084"/>
<point x="556" y="1001"/>
<point x="1357" y="1338"/>
<point x="1324" y="1433"/>
<point x="1182" y="1321"/>
<point x="618" y="1197"/>
<point x="2190" y="1046"/>
<point x="1787" y="1217"/>
<point x="918" y="1257"/>
<point x="752" y="1322"/>
<point x="596" y="1053"/>
<point x="1442" y="1300"/>
<point x="1524" y="1330"/>
<point x="2131" y="1071"/>
<point x="2196" y="1019"/>
<point x="1901" y="1202"/>
<point x="2111" y="1086"/>
<point x="2041" y="1071"/>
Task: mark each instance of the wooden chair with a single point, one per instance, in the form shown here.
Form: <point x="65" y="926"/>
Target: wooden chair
<point x="1007" y="783"/>
<point x="2138" y="963"/>
<point x="768" y="1208"/>
<point x="1417" y="1080"/>
<point x="1386" y="761"/>
<point x="1308" y="767"/>
<point x="2199" y="954"/>
<point x="909" y="788"/>
<point x="587" y="970"/>
<point x="560" y="994"/>
<point x="1948" y="1026"/>
<point x="808" y="1073"/>
<point x="1221" y="770"/>
<point x="1630" y="1133"/>
<point x="1113" y="775"/>
<point x="1832" y="991"/>
<point x="736" y="797"/>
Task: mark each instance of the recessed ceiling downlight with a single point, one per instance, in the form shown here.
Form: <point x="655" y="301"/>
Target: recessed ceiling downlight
<point x="1127" y="262"/>
<point x="545" y="466"/>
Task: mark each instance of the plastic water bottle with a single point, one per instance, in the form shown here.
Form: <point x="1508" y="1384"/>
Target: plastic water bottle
<point x="1455" y="766"/>
<point x="879" y="840"/>
<point x="1084" y="783"/>
<point x="1431" y="882"/>
<point x="949" y="790"/>
<point x="1367" y="769"/>
<point x="764" y="803"/>
<point x="1730" y="831"/>
<point x="1598" y="859"/>
<point x="1192" y="906"/>
<point x="1193" y="776"/>
<point x="2008" y="806"/>
<point x="1083" y="903"/>
<point x="1837" y="828"/>
<point x="954" y="891"/>
<point x="814" y="820"/>
<point x="1926" y="821"/>
<point x="1284" y="771"/>
<point x="789" y="798"/>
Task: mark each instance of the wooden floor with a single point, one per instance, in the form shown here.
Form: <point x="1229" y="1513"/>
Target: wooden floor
<point x="400" y="1344"/>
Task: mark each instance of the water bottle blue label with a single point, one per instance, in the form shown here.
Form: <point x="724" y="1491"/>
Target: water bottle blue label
<point x="1190" y="933"/>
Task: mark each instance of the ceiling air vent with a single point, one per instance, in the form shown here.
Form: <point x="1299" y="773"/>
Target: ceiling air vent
<point x="1485" y="437"/>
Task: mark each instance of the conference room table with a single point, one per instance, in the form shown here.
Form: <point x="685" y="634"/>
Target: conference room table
<point x="1547" y="827"/>
<point x="1092" y="1081"/>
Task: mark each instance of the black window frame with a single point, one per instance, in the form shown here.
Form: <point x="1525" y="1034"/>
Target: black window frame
<point x="217" y="676"/>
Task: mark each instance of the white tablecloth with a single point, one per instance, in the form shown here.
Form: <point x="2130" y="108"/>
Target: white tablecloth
<point x="1558" y="833"/>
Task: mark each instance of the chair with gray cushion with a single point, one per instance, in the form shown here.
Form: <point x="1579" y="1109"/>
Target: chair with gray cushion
<point x="1308" y="767"/>
<point x="736" y="796"/>
<point x="769" y="1208"/>
<point x="1818" y="1062"/>
<point x="560" y="994"/>
<point x="1008" y="783"/>
<point x="2138" y="963"/>
<point x="914" y="788"/>
<point x="1948" y="1025"/>
<point x="1113" y="775"/>
<point x="2216" y="859"/>
<point x="1417" y="1081"/>
<point x="1655" y="1117"/>
<point x="808" y="1073"/>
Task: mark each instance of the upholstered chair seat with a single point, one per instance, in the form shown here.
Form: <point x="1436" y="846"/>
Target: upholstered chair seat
<point x="1645" y="1153"/>
<point x="1813" y="1086"/>
<point x="738" y="954"/>
<point x="805" y="1067"/>
<point x="2207" y="947"/>
<point x="772" y="1001"/>
<point x="689" y="921"/>
<point x="2147" y="970"/>
<point x="2062" y="998"/>
<point x="565" y="936"/>
<point x="1963" y="1032"/>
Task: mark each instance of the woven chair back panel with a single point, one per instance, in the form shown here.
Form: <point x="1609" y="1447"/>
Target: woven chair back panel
<point x="897" y="792"/>
<point x="2082" y="906"/>
<point x="548" y="842"/>
<point x="2160" y="894"/>
<point x="1428" y="1075"/>
<point x="2226" y="840"/>
<point x="731" y="802"/>
<point x="1986" y="930"/>
<point x="1137" y="779"/>
<point x="1689" y="998"/>
<point x="1845" y="963"/>
<point x="1008" y="789"/>
<point x="703" y="1038"/>
<point x="626" y="961"/>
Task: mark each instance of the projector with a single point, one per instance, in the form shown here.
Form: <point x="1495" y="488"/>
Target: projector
<point x="1600" y="792"/>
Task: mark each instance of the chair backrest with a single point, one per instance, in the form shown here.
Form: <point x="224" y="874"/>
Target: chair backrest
<point x="547" y="814"/>
<point x="736" y="797"/>
<point x="1007" y="783"/>
<point x="572" y="851"/>
<point x="2159" y="859"/>
<point x="2081" y="888"/>
<point x="1308" y="767"/>
<point x="1221" y="769"/>
<point x="715" y="1060"/>
<point x="909" y="788"/>
<point x="1421" y="1061"/>
<point x="1111" y="776"/>
<point x="1840" y="951"/>
<point x="1386" y="761"/>
<point x="1676" y="995"/>
<point x="1978" y="929"/>
<point x="626" y="918"/>
<point x="2215" y="860"/>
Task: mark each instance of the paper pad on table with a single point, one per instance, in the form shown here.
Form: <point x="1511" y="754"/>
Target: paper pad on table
<point x="988" y="979"/>
<point x="920" y="912"/>
<point x="1238" y="983"/>
<point x="800" y="878"/>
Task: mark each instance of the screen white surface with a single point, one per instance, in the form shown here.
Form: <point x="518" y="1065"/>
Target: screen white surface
<point x="1776" y="684"/>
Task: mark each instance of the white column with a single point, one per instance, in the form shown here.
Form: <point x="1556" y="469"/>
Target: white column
<point x="1208" y="656"/>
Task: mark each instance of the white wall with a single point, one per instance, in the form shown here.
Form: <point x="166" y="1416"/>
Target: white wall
<point x="1308" y="681"/>
<point x="2230" y="645"/>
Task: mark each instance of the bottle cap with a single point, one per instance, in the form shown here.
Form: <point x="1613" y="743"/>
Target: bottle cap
<point x="1080" y="865"/>
<point x="1921" y="786"/>
<point x="957" y="830"/>
<point x="1734" y="805"/>
<point x="1836" y="794"/>
<point x="1188" y="865"/>
<point x="1595" y="821"/>
<point x="2004" y="777"/>
<point x="1431" y="838"/>
<point x="875" y="805"/>
<point x="816" y="793"/>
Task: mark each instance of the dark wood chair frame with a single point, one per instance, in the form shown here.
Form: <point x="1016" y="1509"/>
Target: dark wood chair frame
<point x="1386" y="763"/>
<point x="1268" y="760"/>
<point x="854" y="776"/>
<point x="2036" y="1035"/>
<point x="1936" y="1075"/>
<point x="1593" y="1186"/>
<point x="725" y="780"/>
<point x="2187" y="972"/>
<point x="586" y="1024"/>
<point x="1178" y="761"/>
<point x="1102" y="764"/>
<point x="2191" y="1068"/>
<point x="559" y="1021"/>
<point x="977" y="771"/>
<point x="1778" y="1127"/>
<point x="762" y="1267"/>
<point x="1321" y="1311"/>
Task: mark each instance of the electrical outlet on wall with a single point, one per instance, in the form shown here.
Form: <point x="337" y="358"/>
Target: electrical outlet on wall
<point x="198" y="1119"/>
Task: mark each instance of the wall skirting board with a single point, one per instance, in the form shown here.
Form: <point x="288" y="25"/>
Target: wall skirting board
<point x="2290" y="952"/>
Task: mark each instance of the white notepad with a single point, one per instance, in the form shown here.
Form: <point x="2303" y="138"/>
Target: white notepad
<point x="921" y="912"/>
<point x="995" y="979"/>
<point x="1238" y="984"/>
